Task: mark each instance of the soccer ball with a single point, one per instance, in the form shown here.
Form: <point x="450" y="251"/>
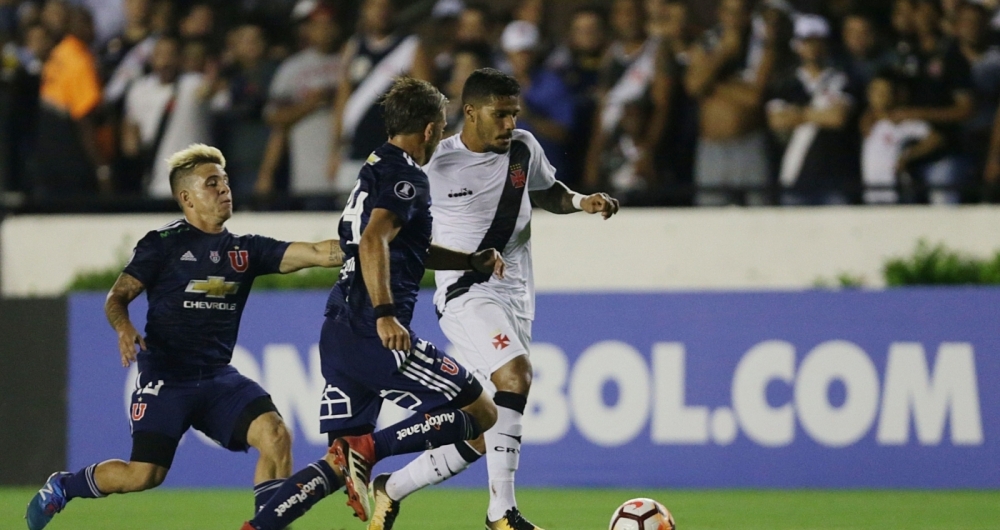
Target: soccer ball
<point x="642" y="514"/>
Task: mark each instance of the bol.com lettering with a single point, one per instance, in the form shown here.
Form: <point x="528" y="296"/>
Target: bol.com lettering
<point x="432" y="422"/>
<point x="305" y="490"/>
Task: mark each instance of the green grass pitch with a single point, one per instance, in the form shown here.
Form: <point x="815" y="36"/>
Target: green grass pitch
<point x="553" y="509"/>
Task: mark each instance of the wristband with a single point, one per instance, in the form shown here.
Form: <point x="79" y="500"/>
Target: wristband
<point x="385" y="310"/>
<point x="578" y="201"/>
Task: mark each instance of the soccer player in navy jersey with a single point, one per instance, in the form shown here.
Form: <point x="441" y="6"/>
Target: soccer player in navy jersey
<point x="368" y="352"/>
<point x="197" y="276"/>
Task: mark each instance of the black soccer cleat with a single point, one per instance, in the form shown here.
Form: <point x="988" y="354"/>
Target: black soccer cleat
<point x="512" y="520"/>
<point x="384" y="509"/>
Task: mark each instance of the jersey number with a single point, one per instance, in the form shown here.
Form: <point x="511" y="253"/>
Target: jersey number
<point x="352" y="213"/>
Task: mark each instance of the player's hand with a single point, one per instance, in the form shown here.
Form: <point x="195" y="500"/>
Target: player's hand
<point x="601" y="203"/>
<point x="394" y="336"/>
<point x="489" y="261"/>
<point x="128" y="337"/>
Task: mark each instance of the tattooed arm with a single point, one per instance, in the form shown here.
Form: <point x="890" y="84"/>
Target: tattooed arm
<point x="304" y="255"/>
<point x="126" y="289"/>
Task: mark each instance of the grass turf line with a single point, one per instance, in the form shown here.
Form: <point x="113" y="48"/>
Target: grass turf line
<point x="553" y="509"/>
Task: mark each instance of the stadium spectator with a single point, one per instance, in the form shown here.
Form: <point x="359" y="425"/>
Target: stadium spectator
<point x="165" y="112"/>
<point x="198" y="23"/>
<point x="238" y="106"/>
<point x="21" y="80"/>
<point x="971" y="31"/>
<point x="860" y="57"/>
<point x="546" y="103"/>
<point x="372" y="58"/>
<point x="125" y="56"/>
<point x="809" y="109"/>
<point x="474" y="25"/>
<point x="299" y="104"/>
<point x="940" y="92"/>
<point x="728" y="76"/>
<point x="890" y="146"/>
<point x="626" y="73"/>
<point x="468" y="59"/>
<point x="578" y="63"/>
<point x="668" y="148"/>
<point x="68" y="160"/>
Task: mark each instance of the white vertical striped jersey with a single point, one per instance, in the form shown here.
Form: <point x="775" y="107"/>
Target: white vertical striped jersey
<point x="480" y="201"/>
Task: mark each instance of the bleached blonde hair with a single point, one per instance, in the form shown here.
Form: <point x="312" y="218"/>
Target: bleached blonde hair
<point x="184" y="161"/>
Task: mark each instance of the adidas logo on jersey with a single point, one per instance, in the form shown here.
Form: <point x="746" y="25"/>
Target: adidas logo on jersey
<point x="188" y="256"/>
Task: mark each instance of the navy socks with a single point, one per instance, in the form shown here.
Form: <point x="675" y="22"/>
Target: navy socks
<point x="421" y="432"/>
<point x="296" y="495"/>
<point x="82" y="484"/>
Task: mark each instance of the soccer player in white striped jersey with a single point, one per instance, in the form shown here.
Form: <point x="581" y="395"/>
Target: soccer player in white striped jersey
<point x="483" y="182"/>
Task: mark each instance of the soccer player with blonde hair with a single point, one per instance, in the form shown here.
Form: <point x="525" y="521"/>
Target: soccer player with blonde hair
<point x="197" y="276"/>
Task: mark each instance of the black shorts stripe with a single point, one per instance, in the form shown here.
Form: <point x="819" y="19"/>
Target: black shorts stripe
<point x="504" y="221"/>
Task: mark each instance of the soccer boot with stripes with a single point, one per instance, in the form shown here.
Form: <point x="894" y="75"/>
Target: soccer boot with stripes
<point x="355" y="456"/>
<point x="384" y="509"/>
<point x="512" y="520"/>
<point x="49" y="501"/>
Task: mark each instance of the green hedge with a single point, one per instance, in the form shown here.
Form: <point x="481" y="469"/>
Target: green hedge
<point x="939" y="265"/>
<point x="103" y="279"/>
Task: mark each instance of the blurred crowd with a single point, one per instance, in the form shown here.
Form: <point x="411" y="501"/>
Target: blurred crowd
<point x="661" y="102"/>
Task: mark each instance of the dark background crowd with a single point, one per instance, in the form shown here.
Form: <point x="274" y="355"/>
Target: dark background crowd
<point x="661" y="102"/>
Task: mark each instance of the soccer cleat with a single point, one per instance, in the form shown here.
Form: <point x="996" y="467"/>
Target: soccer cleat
<point x="384" y="509"/>
<point x="248" y="526"/>
<point x="512" y="520"/>
<point x="355" y="456"/>
<point x="49" y="501"/>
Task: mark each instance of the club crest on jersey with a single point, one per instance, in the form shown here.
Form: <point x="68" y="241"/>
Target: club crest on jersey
<point x="138" y="411"/>
<point x="404" y="190"/>
<point x="517" y="176"/>
<point x="240" y="260"/>
<point x="214" y="256"/>
<point x="500" y="341"/>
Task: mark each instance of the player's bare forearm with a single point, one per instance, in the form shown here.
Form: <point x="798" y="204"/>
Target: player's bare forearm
<point x="300" y="256"/>
<point x="446" y="259"/>
<point x="487" y="261"/>
<point x="126" y="289"/>
<point x="373" y="252"/>
<point x="558" y="199"/>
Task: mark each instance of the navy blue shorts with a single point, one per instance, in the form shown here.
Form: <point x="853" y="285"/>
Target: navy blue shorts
<point x="360" y="373"/>
<point x="222" y="406"/>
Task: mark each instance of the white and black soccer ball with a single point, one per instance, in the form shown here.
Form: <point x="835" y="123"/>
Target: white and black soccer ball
<point x="642" y="514"/>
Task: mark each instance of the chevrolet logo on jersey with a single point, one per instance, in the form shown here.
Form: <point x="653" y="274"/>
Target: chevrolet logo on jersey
<point x="213" y="287"/>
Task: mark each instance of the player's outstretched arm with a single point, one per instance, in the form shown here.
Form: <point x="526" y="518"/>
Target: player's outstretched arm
<point x="561" y="200"/>
<point x="126" y="289"/>
<point x="300" y="256"/>
<point x="373" y="252"/>
<point x="487" y="261"/>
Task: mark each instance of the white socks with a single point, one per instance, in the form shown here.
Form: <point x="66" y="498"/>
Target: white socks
<point x="503" y="452"/>
<point x="431" y="467"/>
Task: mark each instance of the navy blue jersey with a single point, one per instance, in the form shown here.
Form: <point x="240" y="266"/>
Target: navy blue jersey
<point x="197" y="285"/>
<point x="392" y="180"/>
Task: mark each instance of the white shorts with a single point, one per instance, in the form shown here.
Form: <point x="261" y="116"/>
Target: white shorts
<point x="485" y="334"/>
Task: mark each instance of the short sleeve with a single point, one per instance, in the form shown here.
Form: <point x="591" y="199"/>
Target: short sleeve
<point x="914" y="129"/>
<point x="399" y="192"/>
<point x="541" y="172"/>
<point x="266" y="254"/>
<point x="147" y="259"/>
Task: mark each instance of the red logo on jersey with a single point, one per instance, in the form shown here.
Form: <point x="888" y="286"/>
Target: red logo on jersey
<point x="517" y="176"/>
<point x="138" y="411"/>
<point x="449" y="367"/>
<point x="501" y="341"/>
<point x="239" y="259"/>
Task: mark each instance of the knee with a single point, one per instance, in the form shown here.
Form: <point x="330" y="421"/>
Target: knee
<point x="515" y="376"/>
<point x="479" y="444"/>
<point x="271" y="436"/>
